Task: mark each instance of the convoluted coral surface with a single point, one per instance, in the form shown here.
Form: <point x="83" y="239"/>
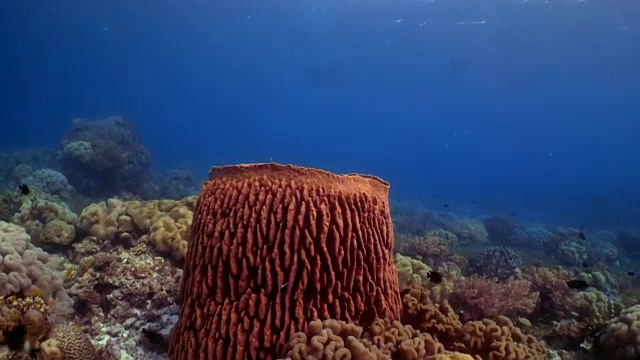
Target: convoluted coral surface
<point x="276" y="246"/>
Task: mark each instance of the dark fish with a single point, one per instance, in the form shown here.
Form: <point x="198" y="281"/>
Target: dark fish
<point x="24" y="189"/>
<point x="585" y="264"/>
<point x="446" y="205"/>
<point x="82" y="307"/>
<point x="435" y="277"/>
<point x="578" y="284"/>
<point x="104" y="288"/>
<point x="437" y="196"/>
<point x="581" y="234"/>
<point x="504" y="200"/>
<point x="105" y="305"/>
<point x="153" y="336"/>
<point x="631" y="273"/>
<point x="474" y="202"/>
<point x="15" y="337"/>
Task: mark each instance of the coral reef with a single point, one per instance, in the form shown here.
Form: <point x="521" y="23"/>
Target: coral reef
<point x="628" y="240"/>
<point x="105" y="157"/>
<point x="566" y="247"/>
<point x="620" y="339"/>
<point x="384" y="340"/>
<point x="499" y="262"/>
<point x="468" y="231"/>
<point x="24" y="267"/>
<point x="47" y="222"/>
<point x="500" y="339"/>
<point x="317" y="244"/>
<point x="502" y="229"/>
<point x="165" y="222"/>
<point x="67" y="343"/>
<point x="479" y="298"/>
<point x="432" y="247"/>
<point x="48" y="181"/>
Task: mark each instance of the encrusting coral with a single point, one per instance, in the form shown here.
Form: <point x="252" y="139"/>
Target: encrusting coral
<point x="276" y="246"/>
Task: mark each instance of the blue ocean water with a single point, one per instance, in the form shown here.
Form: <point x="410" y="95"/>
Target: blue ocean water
<point x="530" y="107"/>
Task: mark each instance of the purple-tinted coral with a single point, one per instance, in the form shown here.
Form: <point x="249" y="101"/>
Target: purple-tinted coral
<point x="105" y="157"/>
<point x="499" y="262"/>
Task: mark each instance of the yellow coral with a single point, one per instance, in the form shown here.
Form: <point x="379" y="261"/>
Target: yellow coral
<point x="167" y="222"/>
<point x="47" y="221"/>
<point x="500" y="340"/>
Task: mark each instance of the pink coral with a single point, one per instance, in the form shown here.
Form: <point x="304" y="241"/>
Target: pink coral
<point x="477" y="298"/>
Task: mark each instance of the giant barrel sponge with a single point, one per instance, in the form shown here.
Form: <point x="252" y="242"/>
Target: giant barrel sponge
<point x="276" y="246"/>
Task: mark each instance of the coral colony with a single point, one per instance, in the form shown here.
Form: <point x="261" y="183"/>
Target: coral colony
<point x="101" y="258"/>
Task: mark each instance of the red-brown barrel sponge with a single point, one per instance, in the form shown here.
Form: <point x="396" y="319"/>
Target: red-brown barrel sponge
<point x="275" y="246"/>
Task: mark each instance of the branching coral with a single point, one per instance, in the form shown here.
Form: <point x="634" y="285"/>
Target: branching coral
<point x="499" y="262"/>
<point x="432" y="248"/>
<point x="477" y="298"/>
<point x="556" y="298"/>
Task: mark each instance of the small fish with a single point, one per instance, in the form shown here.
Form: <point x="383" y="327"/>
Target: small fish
<point x="631" y="273"/>
<point x="578" y="284"/>
<point x="105" y="305"/>
<point x="153" y="336"/>
<point x="581" y="234"/>
<point x="82" y="307"/>
<point x="24" y="189"/>
<point x="51" y="302"/>
<point x="76" y="325"/>
<point x="585" y="264"/>
<point x="435" y="277"/>
<point x="104" y="288"/>
<point x="474" y="202"/>
<point x="446" y="205"/>
<point x="34" y="292"/>
<point x="69" y="272"/>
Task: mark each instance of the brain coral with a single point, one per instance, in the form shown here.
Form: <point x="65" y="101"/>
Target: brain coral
<point x="276" y="246"/>
<point x="67" y="342"/>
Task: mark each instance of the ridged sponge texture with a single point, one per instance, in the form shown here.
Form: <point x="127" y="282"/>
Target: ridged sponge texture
<point x="276" y="246"/>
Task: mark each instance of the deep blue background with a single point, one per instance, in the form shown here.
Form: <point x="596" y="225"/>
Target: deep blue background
<point x="539" y="105"/>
